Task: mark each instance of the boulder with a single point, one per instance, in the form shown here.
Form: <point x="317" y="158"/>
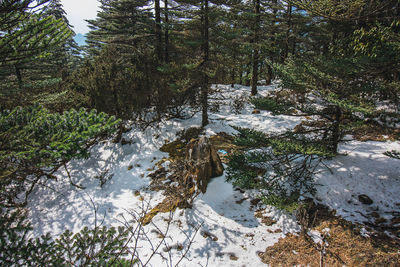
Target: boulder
<point x="201" y="164"/>
<point x="364" y="199"/>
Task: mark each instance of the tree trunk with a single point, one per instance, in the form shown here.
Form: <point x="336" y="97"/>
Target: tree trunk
<point x="233" y="72"/>
<point x="19" y="76"/>
<point x="247" y="81"/>
<point x="158" y="29"/>
<point x="166" y="33"/>
<point x="254" y="76"/>
<point x="289" y="28"/>
<point x="204" y="88"/>
<point x="269" y="75"/>
<point x="336" y="129"/>
<point x="273" y="40"/>
<point x="241" y="74"/>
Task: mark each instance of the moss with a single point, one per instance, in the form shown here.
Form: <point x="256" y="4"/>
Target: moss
<point x="175" y="149"/>
<point x="167" y="205"/>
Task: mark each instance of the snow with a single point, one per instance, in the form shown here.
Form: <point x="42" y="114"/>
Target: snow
<point x="361" y="169"/>
<point x="228" y="224"/>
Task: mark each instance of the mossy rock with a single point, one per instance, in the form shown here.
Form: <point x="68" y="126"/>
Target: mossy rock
<point x="175" y="149"/>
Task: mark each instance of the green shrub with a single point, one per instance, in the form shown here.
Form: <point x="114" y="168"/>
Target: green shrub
<point x="97" y="246"/>
<point x="281" y="167"/>
<point x="393" y="154"/>
<point x="34" y="143"/>
<point x="270" y="104"/>
<point x="249" y="137"/>
<point x="287" y="203"/>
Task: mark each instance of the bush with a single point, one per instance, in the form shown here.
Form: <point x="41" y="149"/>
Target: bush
<point x="281" y="168"/>
<point x="270" y="104"/>
<point x="35" y="143"/>
<point x="249" y="138"/>
<point x="97" y="246"/>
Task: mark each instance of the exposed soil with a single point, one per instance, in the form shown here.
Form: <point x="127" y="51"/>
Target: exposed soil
<point x="375" y="132"/>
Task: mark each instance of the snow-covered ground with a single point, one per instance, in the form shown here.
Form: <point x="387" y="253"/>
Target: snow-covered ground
<point x="229" y="234"/>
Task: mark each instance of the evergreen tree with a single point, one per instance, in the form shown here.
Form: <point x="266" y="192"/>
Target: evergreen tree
<point x="36" y="143"/>
<point x="27" y="35"/>
<point x="124" y="23"/>
<point x="340" y="66"/>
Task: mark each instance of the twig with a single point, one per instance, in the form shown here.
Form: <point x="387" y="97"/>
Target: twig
<point x="70" y="179"/>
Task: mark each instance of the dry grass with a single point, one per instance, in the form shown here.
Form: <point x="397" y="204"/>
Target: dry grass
<point x="374" y="132"/>
<point x="346" y="247"/>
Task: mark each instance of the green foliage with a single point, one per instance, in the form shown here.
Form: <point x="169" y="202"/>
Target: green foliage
<point x="37" y="50"/>
<point x="32" y="37"/>
<point x="352" y="67"/>
<point x="270" y="104"/>
<point x="240" y="172"/>
<point x="18" y="249"/>
<point x="295" y="144"/>
<point x="97" y="246"/>
<point x="32" y="138"/>
<point x="393" y="154"/>
<point x="281" y="167"/>
<point x="249" y="137"/>
<point x="288" y="203"/>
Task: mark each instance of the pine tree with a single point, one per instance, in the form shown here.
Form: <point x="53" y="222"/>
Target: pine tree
<point x="124" y="23"/>
<point x="35" y="143"/>
<point x="339" y="66"/>
<point x="28" y="34"/>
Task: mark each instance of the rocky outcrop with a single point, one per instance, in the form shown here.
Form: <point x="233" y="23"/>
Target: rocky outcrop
<point x="201" y="164"/>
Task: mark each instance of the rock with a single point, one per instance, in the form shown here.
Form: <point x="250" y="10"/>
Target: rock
<point x="201" y="164"/>
<point x="256" y="111"/>
<point x="233" y="257"/>
<point x="364" y="199"/>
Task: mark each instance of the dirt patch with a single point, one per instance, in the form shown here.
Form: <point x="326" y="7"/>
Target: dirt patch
<point x="344" y="246"/>
<point x="375" y="132"/>
<point x="268" y="221"/>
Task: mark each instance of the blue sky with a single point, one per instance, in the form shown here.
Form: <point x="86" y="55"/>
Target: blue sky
<point x="78" y="11"/>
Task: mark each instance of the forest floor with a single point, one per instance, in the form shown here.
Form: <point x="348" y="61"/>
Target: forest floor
<point x="228" y="227"/>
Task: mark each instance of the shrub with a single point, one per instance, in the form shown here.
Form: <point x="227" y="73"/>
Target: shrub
<point x="97" y="246"/>
<point x="35" y="143"/>
<point x="270" y="104"/>
<point x="281" y="168"/>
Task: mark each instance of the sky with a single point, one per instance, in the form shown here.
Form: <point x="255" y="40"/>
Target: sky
<point x="78" y="11"/>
